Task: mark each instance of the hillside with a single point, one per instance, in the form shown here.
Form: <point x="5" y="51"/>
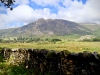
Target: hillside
<point x="47" y="27"/>
<point x="94" y="28"/>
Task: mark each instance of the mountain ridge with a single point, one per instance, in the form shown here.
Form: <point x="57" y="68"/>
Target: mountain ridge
<point x="49" y="27"/>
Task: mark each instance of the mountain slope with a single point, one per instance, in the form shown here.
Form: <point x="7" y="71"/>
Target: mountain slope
<point x="94" y="28"/>
<point x="47" y="27"/>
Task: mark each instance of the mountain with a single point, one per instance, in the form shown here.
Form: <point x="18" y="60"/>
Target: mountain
<point x="49" y="27"/>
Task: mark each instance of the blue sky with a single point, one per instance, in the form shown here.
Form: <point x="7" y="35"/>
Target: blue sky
<point x="26" y="11"/>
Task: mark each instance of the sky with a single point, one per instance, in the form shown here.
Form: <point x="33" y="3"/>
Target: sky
<point x="27" y="11"/>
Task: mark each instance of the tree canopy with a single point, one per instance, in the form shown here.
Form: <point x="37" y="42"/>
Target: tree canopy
<point x="8" y="3"/>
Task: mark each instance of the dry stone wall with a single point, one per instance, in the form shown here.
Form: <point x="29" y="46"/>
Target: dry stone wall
<point x="54" y="63"/>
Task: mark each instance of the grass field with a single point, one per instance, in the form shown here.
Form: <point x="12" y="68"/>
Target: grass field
<point x="58" y="46"/>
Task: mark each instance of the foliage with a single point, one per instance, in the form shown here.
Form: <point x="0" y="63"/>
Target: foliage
<point x="27" y="40"/>
<point x="8" y="3"/>
<point x="55" y="40"/>
<point x="96" y="39"/>
<point x="1" y="40"/>
<point x="91" y="40"/>
<point x="1" y="55"/>
<point x="17" y="70"/>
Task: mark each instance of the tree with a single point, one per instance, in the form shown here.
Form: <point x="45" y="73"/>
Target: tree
<point x="8" y="3"/>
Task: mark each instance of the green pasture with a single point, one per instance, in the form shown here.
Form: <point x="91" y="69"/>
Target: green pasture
<point x="72" y="46"/>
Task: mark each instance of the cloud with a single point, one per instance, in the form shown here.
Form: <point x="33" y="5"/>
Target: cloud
<point x="71" y="11"/>
<point x="43" y="13"/>
<point x="3" y="20"/>
<point x="67" y="9"/>
<point x="78" y="12"/>
<point x="23" y="14"/>
<point x="91" y="11"/>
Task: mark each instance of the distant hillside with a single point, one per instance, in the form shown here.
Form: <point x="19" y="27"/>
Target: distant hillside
<point x="48" y="27"/>
<point x="94" y="28"/>
<point x="7" y="32"/>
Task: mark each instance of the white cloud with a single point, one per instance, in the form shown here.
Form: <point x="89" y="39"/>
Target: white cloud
<point x="45" y="13"/>
<point x="25" y="14"/>
<point x="91" y="10"/>
<point x="3" y="20"/>
<point x="73" y="11"/>
<point x="22" y="13"/>
<point x="78" y="12"/>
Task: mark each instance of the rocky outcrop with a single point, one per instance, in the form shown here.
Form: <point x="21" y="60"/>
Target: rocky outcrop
<point x="54" y="63"/>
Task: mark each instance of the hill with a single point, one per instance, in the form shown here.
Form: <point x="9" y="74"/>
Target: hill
<point x="94" y="28"/>
<point x="47" y="27"/>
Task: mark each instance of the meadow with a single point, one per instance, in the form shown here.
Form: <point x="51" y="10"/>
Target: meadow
<point x="72" y="46"/>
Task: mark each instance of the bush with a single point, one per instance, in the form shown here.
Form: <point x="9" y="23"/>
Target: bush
<point x="17" y="70"/>
<point x="91" y="40"/>
<point x="96" y="39"/>
<point x="55" y="40"/>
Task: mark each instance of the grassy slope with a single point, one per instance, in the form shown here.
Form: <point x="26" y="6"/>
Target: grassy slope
<point x="6" y="32"/>
<point x="91" y="27"/>
<point x="94" y="28"/>
<point x="73" y="36"/>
